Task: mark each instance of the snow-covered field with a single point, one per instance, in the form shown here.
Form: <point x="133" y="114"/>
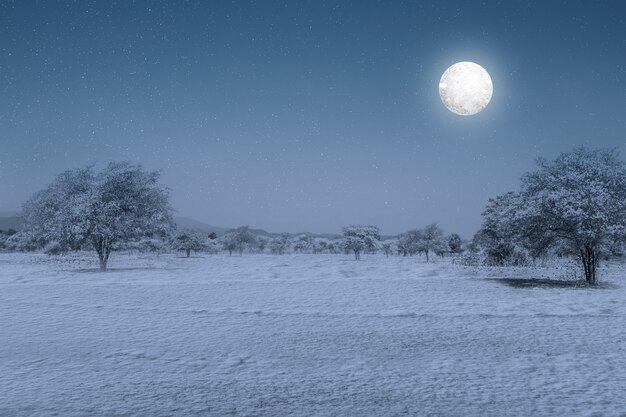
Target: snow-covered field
<point x="323" y="335"/>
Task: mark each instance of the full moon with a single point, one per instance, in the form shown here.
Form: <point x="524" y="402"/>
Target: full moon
<point x="465" y="88"/>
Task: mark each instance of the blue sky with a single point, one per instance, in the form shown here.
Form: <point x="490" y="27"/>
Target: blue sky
<point x="306" y="115"/>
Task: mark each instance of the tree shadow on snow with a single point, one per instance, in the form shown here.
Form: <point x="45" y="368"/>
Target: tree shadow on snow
<point x="548" y="283"/>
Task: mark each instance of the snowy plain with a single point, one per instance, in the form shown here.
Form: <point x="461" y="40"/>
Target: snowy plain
<point x="304" y="335"/>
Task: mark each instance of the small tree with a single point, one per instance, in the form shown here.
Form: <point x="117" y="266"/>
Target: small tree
<point x="576" y="203"/>
<point x="360" y="238"/>
<point x="279" y="244"/>
<point x="302" y="243"/>
<point x="455" y="244"/>
<point x="188" y="241"/>
<point x="410" y="242"/>
<point x="432" y="240"/>
<point x="387" y="247"/>
<point x="319" y="245"/>
<point x="229" y="243"/>
<point x="497" y="237"/>
<point x="262" y="242"/>
<point x="120" y="204"/>
<point x="239" y="239"/>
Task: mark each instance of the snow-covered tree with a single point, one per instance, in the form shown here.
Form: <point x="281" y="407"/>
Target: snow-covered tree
<point x="279" y="244"/>
<point x="576" y="202"/>
<point x="213" y="243"/>
<point x="120" y="204"/>
<point x="239" y="239"/>
<point x="24" y="241"/>
<point x="410" y="243"/>
<point x="4" y="235"/>
<point x="212" y="246"/>
<point x="432" y="240"/>
<point x="498" y="239"/>
<point x="455" y="244"/>
<point x="320" y="245"/>
<point x="188" y="241"/>
<point x="302" y="243"/>
<point x="334" y="246"/>
<point x="387" y="246"/>
<point x="145" y="244"/>
<point x="262" y="242"/>
<point x="229" y="243"/>
<point x="360" y="238"/>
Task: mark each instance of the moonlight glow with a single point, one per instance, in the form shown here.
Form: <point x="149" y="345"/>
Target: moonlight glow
<point x="465" y="88"/>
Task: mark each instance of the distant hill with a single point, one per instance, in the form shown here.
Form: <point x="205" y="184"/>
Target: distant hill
<point x="12" y="220"/>
<point x="187" y="223"/>
<point x="258" y="232"/>
<point x="330" y="236"/>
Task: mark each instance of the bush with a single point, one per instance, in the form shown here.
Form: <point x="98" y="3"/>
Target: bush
<point x="54" y="248"/>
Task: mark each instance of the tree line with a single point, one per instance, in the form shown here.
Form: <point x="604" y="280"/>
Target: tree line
<point x="124" y="207"/>
<point x="574" y="205"/>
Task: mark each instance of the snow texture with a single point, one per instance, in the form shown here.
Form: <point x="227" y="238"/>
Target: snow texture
<point x="304" y="335"/>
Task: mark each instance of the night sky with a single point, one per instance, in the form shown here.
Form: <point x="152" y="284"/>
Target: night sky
<point x="306" y="115"/>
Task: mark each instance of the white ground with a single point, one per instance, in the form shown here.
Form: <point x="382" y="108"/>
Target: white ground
<point x="303" y="335"/>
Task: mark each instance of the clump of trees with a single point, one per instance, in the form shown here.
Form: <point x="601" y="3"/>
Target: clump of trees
<point x="424" y="241"/>
<point x="387" y="247"/>
<point x="302" y="244"/>
<point x="239" y="240"/>
<point x="358" y="239"/>
<point x="81" y="207"/>
<point x="188" y="241"/>
<point x="4" y="236"/>
<point x="151" y="244"/>
<point x="279" y="244"/>
<point x="575" y="205"/>
<point x="24" y="241"/>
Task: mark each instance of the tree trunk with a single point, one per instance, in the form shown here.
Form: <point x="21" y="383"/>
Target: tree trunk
<point x="103" y="247"/>
<point x="357" y="255"/>
<point x="188" y="252"/>
<point x="427" y="256"/>
<point x="589" y="258"/>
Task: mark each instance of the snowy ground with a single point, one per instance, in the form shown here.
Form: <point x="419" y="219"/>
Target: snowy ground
<point x="304" y="335"/>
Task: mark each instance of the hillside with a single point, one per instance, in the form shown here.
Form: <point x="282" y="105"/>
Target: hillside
<point x="11" y="220"/>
